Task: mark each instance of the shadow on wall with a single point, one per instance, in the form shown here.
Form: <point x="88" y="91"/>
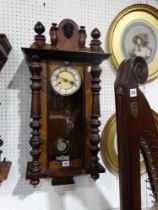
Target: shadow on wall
<point x="83" y="193"/>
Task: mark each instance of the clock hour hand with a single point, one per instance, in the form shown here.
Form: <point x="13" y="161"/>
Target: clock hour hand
<point x="66" y="80"/>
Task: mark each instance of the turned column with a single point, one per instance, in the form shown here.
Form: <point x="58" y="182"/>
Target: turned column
<point x="53" y="35"/>
<point x="83" y="36"/>
<point x="95" y="114"/>
<point x="35" y="140"/>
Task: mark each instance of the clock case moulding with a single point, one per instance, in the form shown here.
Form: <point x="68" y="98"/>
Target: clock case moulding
<point x="50" y="111"/>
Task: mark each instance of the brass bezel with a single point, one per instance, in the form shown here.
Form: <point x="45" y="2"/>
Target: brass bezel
<point x="63" y="140"/>
<point x="79" y="76"/>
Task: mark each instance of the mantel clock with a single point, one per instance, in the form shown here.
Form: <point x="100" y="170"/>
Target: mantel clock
<point x="65" y="103"/>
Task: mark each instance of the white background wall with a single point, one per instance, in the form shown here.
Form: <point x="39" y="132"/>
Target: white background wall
<point x="17" y="19"/>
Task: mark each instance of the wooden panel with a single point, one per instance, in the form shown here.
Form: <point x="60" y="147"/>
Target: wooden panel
<point x="87" y="120"/>
<point x="68" y="43"/>
<point x="73" y="107"/>
<point x="60" y="123"/>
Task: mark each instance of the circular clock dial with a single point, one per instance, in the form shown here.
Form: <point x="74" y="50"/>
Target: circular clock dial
<point x="62" y="145"/>
<point x="66" y="80"/>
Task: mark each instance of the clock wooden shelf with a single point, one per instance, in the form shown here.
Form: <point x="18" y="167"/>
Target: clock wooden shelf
<point x="5" y="48"/>
<point x="65" y="103"/>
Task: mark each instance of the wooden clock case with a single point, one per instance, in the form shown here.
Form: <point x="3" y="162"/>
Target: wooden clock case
<point x="5" y="48"/>
<point x="73" y="118"/>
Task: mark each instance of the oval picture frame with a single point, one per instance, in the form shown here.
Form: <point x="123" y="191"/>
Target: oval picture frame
<point x="134" y="32"/>
<point x="108" y="146"/>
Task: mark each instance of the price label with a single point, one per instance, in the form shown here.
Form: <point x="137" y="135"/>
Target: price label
<point x="66" y="163"/>
<point x="133" y="92"/>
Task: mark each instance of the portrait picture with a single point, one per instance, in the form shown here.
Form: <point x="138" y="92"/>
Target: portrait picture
<point x="139" y="39"/>
<point x="134" y="32"/>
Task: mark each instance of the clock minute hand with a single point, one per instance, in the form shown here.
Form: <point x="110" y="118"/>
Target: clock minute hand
<point x="65" y="80"/>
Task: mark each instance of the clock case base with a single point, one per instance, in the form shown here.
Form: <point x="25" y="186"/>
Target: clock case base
<point x="63" y="180"/>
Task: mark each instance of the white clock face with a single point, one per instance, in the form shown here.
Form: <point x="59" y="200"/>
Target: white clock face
<point x="61" y="146"/>
<point x="65" y="80"/>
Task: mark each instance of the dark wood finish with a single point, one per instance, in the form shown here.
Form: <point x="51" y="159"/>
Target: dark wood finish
<point x="1" y="143"/>
<point x="68" y="35"/>
<point x="5" y="48"/>
<point x="35" y="140"/>
<point x="63" y="180"/>
<point x="53" y="115"/>
<point x="136" y="130"/>
<point x="64" y="110"/>
<point x="83" y="37"/>
<point x="57" y="54"/>
<point x="53" y="34"/>
<point x="95" y="114"/>
<point x="129" y="112"/>
<point x="4" y="169"/>
<point x="39" y="38"/>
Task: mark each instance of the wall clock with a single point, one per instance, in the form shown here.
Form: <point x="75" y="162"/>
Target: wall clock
<point x="65" y="103"/>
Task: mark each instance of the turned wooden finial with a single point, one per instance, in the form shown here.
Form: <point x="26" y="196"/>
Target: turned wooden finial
<point x="53" y="34"/>
<point x="39" y="38"/>
<point x="83" y="36"/>
<point x="95" y="42"/>
<point x="39" y="28"/>
<point x="95" y="34"/>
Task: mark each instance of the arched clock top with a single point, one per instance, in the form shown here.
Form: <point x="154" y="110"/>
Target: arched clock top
<point x="67" y="36"/>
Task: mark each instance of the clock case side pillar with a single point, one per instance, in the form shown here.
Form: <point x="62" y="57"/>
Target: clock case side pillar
<point x="95" y="167"/>
<point x="35" y="141"/>
<point x="33" y="167"/>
